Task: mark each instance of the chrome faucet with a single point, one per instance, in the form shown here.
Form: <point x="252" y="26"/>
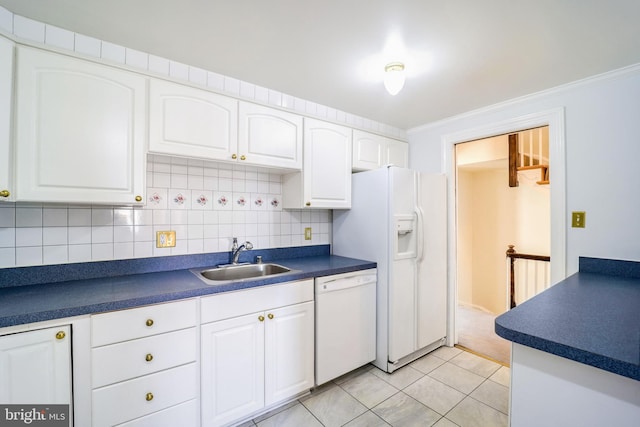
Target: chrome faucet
<point x="235" y="249"/>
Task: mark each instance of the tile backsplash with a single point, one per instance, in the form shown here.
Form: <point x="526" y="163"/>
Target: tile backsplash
<point x="205" y="203"/>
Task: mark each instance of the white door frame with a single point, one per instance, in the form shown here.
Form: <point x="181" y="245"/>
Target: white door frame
<point x="557" y="171"/>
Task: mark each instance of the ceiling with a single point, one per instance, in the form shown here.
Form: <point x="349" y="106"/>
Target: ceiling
<point x="459" y="54"/>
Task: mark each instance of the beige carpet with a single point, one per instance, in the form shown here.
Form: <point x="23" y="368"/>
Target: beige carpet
<point x="476" y="333"/>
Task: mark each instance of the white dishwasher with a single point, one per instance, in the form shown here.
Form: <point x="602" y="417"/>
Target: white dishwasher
<point x="345" y="323"/>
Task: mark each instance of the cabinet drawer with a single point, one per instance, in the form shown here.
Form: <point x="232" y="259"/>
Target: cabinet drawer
<point x="142" y="396"/>
<point x="117" y="326"/>
<point x="184" y="414"/>
<point x="239" y="303"/>
<point x="127" y="360"/>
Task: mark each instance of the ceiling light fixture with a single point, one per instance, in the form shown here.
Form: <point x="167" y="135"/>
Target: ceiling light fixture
<point x="394" y="77"/>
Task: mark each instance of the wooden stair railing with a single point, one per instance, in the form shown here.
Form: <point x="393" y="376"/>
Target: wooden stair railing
<point x="515" y="164"/>
<point x="513" y="255"/>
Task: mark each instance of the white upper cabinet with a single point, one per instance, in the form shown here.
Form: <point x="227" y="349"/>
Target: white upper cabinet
<point x="371" y="151"/>
<point x="6" y="84"/>
<point x="396" y="153"/>
<point x="325" y="181"/>
<point x="190" y="122"/>
<point x="368" y="150"/>
<point x="80" y="131"/>
<point x="269" y="137"/>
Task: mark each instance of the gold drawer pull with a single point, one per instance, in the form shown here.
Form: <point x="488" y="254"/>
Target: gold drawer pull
<point x="149" y="397"/>
<point x="234" y="156"/>
<point x="149" y="322"/>
<point x="138" y="198"/>
<point x="261" y="318"/>
<point x="60" y="335"/>
<point x="243" y="157"/>
<point x="5" y="193"/>
<point x="308" y="204"/>
<point x="270" y="316"/>
<point x="148" y="357"/>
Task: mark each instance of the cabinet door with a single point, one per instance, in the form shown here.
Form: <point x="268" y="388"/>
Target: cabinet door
<point x="35" y="367"/>
<point x="325" y="180"/>
<point x="6" y="83"/>
<point x="397" y="153"/>
<point x="289" y="352"/>
<point x="269" y="137"/>
<point x="190" y="122"/>
<point x="368" y="151"/>
<point x="80" y="131"/>
<point x="327" y="165"/>
<point x="372" y="151"/>
<point x="232" y="368"/>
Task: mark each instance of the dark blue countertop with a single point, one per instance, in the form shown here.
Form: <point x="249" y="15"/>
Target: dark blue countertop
<point x="34" y="294"/>
<point x="592" y="317"/>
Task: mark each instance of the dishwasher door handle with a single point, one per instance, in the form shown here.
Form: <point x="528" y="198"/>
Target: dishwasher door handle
<point x="344" y="283"/>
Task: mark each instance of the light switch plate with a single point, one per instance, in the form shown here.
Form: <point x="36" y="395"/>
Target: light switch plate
<point x="165" y="239"/>
<point x="577" y="219"/>
<point x="307" y="233"/>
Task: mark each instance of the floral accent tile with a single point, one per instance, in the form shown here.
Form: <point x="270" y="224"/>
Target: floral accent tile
<point x="179" y="199"/>
<point x="222" y="201"/>
<point x="275" y="203"/>
<point x="202" y="200"/>
<point x="241" y="201"/>
<point x="156" y="198"/>
<point x="258" y="202"/>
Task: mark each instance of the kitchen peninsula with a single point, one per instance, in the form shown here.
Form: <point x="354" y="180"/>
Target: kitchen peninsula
<point x="576" y="349"/>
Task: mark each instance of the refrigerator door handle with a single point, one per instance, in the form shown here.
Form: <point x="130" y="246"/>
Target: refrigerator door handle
<point x="420" y="233"/>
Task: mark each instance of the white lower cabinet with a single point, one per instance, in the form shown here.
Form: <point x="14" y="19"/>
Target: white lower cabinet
<point x="256" y="351"/>
<point x="232" y="369"/>
<point x="144" y="367"/>
<point x="35" y="367"/>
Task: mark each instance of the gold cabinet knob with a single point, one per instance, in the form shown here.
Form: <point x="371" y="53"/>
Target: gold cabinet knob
<point x="149" y="397"/>
<point x="270" y="316"/>
<point x="60" y="335"/>
<point x="5" y="193"/>
<point x="243" y="157"/>
<point x="308" y="204"/>
<point x="149" y="322"/>
<point x="148" y="357"/>
<point x="138" y="198"/>
<point x="261" y="318"/>
<point x="234" y="156"/>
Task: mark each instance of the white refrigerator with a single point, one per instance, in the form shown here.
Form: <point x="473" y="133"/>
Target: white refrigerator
<point x="398" y="218"/>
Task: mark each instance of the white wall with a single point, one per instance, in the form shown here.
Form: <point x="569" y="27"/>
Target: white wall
<point x="602" y="152"/>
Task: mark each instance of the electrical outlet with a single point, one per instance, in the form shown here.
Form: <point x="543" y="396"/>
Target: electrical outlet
<point x="577" y="219"/>
<point x="165" y="239"/>
<point x="307" y="233"/>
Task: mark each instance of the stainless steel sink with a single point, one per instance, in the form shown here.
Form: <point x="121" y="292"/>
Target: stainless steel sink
<point x="230" y="273"/>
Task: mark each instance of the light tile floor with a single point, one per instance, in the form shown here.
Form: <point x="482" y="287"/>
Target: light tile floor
<point x="447" y="387"/>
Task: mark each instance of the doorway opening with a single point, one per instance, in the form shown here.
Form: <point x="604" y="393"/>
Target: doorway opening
<point x="553" y="118"/>
<point x="495" y="209"/>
